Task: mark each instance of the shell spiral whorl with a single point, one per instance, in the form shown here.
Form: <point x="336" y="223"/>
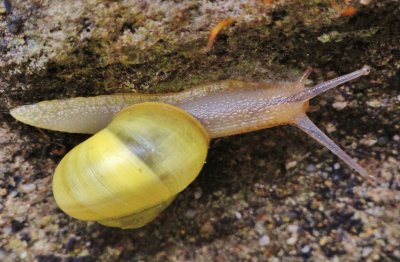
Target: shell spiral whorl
<point x="129" y="172"/>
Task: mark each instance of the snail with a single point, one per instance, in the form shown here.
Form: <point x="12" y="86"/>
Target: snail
<point x="149" y="147"/>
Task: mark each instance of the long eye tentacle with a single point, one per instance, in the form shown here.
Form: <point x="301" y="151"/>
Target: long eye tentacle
<point x="305" y="124"/>
<point x="311" y="92"/>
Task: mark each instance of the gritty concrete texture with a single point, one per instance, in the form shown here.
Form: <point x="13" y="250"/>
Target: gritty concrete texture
<point x="268" y="195"/>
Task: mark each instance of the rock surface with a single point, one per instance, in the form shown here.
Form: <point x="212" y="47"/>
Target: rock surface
<point x="272" y="194"/>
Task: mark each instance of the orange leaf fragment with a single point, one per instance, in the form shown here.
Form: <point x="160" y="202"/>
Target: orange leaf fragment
<point x="216" y="29"/>
<point x="349" y="11"/>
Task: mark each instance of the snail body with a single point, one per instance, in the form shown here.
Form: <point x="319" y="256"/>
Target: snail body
<point x="212" y="110"/>
<point x="229" y="101"/>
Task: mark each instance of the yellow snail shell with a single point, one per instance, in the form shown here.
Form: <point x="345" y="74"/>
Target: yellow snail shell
<point x="129" y="172"/>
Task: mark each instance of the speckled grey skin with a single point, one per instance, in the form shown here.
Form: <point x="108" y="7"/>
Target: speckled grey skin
<point x="272" y="194"/>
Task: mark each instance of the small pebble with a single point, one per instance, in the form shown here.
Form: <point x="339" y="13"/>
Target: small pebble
<point x="207" y="229"/>
<point x="365" y="2"/>
<point x="374" y="103"/>
<point x="291" y="241"/>
<point x="190" y="213"/>
<point x="23" y="255"/>
<point x="45" y="220"/>
<point x="336" y="166"/>
<point x="339" y="105"/>
<point x="27" y="188"/>
<point x="315" y="204"/>
<point x="306" y="249"/>
<point x="366" y="251"/>
<point x="369" y="141"/>
<point x="238" y="215"/>
<point x="3" y="191"/>
<point x="310" y="168"/>
<point x="264" y="240"/>
<point x="7" y="231"/>
<point x="323" y="241"/>
<point x="376" y="257"/>
<point x="260" y="228"/>
<point x="339" y="98"/>
<point x="396" y="138"/>
<point x="198" y="193"/>
<point x="330" y="128"/>
<point x="328" y="183"/>
<point x="293" y="228"/>
<point x="291" y="164"/>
